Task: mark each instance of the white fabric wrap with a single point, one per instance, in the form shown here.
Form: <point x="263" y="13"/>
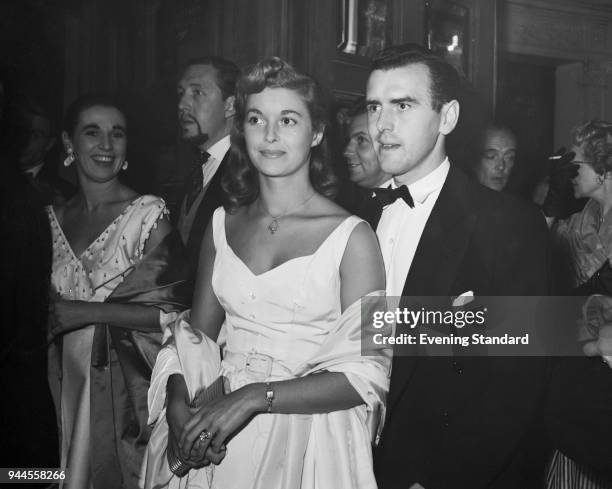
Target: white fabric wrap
<point x="302" y="450"/>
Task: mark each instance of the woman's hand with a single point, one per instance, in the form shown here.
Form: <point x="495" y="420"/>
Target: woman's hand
<point x="66" y="316"/>
<point x="221" y="418"/>
<point x="177" y="415"/>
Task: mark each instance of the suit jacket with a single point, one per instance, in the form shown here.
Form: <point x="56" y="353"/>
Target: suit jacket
<point x="213" y="198"/>
<point x="49" y="188"/>
<point x="469" y="421"/>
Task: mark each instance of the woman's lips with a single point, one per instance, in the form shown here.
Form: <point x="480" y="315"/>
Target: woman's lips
<point x="270" y="153"/>
<point x="103" y="160"/>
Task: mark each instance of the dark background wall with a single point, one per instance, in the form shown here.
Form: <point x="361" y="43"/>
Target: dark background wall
<point x="56" y="50"/>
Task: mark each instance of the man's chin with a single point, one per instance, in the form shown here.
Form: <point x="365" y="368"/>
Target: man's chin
<point x="194" y="139"/>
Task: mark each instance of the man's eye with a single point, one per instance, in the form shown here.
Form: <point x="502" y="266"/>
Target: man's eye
<point x="490" y="155"/>
<point x="91" y="132"/>
<point x="403" y="106"/>
<point x="119" y="134"/>
<point x="372" y="108"/>
<point x="197" y="92"/>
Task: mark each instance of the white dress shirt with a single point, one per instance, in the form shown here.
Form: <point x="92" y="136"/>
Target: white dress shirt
<point x="400" y="227"/>
<point x="217" y="153"/>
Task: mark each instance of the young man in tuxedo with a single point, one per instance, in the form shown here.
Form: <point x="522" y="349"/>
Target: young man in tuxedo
<point x="206" y="112"/>
<point x="451" y="421"/>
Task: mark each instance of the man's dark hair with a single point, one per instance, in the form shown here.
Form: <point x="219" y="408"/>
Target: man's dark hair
<point x="227" y="72"/>
<point x="444" y="84"/>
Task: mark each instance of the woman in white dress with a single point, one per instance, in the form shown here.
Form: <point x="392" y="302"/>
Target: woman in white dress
<point x="104" y="329"/>
<point x="279" y="285"/>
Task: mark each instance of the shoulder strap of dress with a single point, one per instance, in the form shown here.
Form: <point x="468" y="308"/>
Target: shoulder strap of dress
<point x="339" y="237"/>
<point x="218" y="224"/>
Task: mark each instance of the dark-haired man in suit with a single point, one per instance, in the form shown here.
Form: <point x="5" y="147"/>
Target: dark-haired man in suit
<point x="206" y="112"/>
<point x="451" y="421"/>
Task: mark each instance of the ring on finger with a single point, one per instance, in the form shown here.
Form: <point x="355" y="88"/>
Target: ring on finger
<point x="205" y="435"/>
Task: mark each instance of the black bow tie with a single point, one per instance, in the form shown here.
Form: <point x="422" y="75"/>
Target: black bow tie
<point x="197" y="180"/>
<point x="386" y="196"/>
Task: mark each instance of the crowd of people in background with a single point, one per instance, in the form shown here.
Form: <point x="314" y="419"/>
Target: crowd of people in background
<point x="217" y="344"/>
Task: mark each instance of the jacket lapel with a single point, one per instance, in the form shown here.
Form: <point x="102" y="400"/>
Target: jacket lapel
<point x="212" y="199"/>
<point x="437" y="260"/>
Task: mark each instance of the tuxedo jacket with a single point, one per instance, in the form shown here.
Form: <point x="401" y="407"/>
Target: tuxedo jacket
<point x="214" y="197"/>
<point x="468" y="422"/>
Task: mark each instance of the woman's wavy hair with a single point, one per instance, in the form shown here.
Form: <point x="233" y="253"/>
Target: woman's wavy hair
<point x="595" y="138"/>
<point x="240" y="181"/>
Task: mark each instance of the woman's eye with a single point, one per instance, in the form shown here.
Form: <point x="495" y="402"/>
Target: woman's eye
<point x="253" y="120"/>
<point x="286" y="121"/>
<point x="361" y="140"/>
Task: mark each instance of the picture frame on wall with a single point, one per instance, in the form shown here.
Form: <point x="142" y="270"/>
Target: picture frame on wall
<point x="447" y="31"/>
<point x="362" y="27"/>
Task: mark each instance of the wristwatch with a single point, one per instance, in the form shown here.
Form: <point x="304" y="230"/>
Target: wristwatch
<point x="269" y="396"/>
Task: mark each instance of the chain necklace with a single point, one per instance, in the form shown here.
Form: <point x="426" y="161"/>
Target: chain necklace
<point x="273" y="226"/>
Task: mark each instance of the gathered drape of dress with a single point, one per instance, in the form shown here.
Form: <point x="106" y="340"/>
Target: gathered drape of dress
<point x="99" y="375"/>
<point x="282" y="324"/>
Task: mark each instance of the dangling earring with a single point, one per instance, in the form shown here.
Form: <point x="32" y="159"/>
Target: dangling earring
<point x="70" y="157"/>
<point x="125" y="165"/>
<point x="600" y="179"/>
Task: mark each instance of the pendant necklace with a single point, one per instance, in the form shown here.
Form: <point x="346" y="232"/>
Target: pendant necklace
<point x="273" y="226"/>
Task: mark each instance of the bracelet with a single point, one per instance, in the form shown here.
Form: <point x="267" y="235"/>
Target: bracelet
<point x="269" y="396"/>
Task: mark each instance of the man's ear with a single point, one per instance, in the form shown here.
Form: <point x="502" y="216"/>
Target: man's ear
<point x="449" y="117"/>
<point x="229" y="108"/>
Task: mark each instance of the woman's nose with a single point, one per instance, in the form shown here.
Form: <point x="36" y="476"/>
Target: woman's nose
<point x="271" y="135"/>
<point x="106" y="141"/>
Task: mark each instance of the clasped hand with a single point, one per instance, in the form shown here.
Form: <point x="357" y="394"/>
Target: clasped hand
<point x="220" y="419"/>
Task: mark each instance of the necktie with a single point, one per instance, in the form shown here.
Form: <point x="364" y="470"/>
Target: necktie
<point x="386" y="196"/>
<point x="196" y="181"/>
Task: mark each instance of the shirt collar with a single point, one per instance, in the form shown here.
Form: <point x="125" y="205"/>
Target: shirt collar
<point x="430" y="183"/>
<point x="218" y="150"/>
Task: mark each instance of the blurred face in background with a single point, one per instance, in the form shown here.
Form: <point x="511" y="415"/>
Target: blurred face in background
<point x="362" y="161"/>
<point x="203" y="113"/>
<point x="38" y="144"/>
<point x="497" y="160"/>
<point x="588" y="183"/>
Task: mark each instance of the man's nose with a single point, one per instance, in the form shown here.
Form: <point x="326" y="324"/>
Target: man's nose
<point x="384" y="120"/>
<point x="183" y="102"/>
<point x="500" y="163"/>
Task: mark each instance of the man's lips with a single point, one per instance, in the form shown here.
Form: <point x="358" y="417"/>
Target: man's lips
<point x="387" y="146"/>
